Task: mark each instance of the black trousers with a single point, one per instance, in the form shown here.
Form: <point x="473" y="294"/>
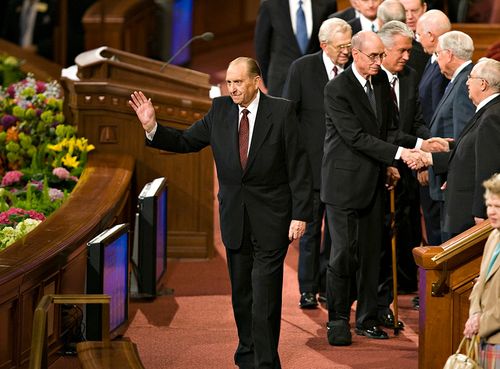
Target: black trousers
<point x="356" y="244"/>
<point x="432" y="217"/>
<point x="313" y="260"/>
<point x="256" y="290"/>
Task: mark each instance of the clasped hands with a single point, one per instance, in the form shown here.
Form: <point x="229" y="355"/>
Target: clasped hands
<point x="422" y="158"/>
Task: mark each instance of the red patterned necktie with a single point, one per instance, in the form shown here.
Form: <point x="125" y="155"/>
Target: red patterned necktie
<point x="393" y="91"/>
<point x="335" y="71"/>
<point x="243" y="138"/>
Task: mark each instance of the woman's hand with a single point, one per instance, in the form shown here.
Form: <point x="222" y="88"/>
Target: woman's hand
<point x="472" y="325"/>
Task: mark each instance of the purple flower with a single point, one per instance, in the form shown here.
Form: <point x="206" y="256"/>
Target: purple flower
<point x="61" y="173"/>
<point x="11" y="90"/>
<point x="8" y="121"/>
<point x="14" y="176"/>
<point x="55" y="194"/>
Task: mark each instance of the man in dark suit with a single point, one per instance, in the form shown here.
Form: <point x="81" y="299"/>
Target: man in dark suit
<point x="278" y="33"/>
<point x="430" y="26"/>
<point x="397" y="39"/>
<point x="348" y="13"/>
<point x="367" y="20"/>
<point x="305" y="83"/>
<point x="454" y="52"/>
<point x="472" y="161"/>
<point x="359" y="124"/>
<point x="264" y="197"/>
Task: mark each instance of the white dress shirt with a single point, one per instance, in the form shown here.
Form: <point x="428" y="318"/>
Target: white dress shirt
<point x="307" y="8"/>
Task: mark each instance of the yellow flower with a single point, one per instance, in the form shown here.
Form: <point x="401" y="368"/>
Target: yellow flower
<point x="56" y="147"/>
<point x="70" y="161"/>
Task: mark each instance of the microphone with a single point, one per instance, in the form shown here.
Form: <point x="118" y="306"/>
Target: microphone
<point x="207" y="36"/>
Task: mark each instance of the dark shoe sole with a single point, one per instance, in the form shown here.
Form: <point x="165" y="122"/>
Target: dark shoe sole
<point x="308" y="306"/>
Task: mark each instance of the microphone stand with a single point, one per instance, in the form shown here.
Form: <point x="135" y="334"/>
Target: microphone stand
<point x="207" y="36"/>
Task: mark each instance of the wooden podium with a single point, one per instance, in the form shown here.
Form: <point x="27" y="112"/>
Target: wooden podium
<point x="98" y="104"/>
<point x="447" y="274"/>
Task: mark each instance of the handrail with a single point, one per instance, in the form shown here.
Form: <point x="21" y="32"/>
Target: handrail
<point x="38" y="355"/>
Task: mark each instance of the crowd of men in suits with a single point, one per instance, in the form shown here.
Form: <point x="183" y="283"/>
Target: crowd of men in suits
<point x="389" y="95"/>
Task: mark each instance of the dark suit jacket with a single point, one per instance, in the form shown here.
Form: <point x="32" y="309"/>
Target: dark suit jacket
<point x="355" y="24"/>
<point x="411" y="120"/>
<point x="275" y="186"/>
<point x="356" y="147"/>
<point x="346" y="14"/>
<point x="306" y="81"/>
<point x="473" y="160"/>
<point x="452" y="114"/>
<point x="276" y="46"/>
<point x="418" y="59"/>
<point x="431" y="90"/>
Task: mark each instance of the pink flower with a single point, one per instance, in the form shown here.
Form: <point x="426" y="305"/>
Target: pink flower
<point x="14" y="215"/>
<point x="40" y="87"/>
<point x="61" y="173"/>
<point x="11" y="177"/>
<point x="55" y="194"/>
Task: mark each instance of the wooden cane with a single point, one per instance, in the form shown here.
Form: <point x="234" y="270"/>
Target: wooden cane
<point x="394" y="263"/>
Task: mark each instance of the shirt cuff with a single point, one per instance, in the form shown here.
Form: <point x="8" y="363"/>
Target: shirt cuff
<point x="398" y="153"/>
<point x="151" y="134"/>
<point x="418" y="145"/>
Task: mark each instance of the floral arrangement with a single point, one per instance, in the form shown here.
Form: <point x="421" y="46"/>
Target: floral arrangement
<point x="40" y="156"/>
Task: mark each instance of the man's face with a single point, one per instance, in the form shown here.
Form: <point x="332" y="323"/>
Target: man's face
<point x="444" y="58"/>
<point x="242" y="87"/>
<point x="493" y="210"/>
<point x="398" y="54"/>
<point x="474" y="84"/>
<point x="368" y="8"/>
<point x="427" y="39"/>
<point x="369" y="58"/>
<point x="338" y="48"/>
<point x="414" y="9"/>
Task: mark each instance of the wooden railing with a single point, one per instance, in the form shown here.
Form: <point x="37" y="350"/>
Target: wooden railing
<point x="446" y="275"/>
<point x="52" y="258"/>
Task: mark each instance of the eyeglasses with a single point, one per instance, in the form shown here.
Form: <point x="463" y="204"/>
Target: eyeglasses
<point x="438" y="51"/>
<point x="472" y="77"/>
<point x="342" y="47"/>
<point x="374" y="57"/>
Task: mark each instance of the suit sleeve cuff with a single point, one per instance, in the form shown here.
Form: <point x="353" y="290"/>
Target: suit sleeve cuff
<point x="398" y="153"/>
<point x="418" y="145"/>
<point x="151" y="134"/>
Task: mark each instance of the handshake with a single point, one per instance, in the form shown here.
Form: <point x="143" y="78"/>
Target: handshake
<point x="422" y="158"/>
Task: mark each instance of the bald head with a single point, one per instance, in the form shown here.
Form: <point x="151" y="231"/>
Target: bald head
<point x="391" y="10"/>
<point x="430" y="26"/>
<point x="367" y="52"/>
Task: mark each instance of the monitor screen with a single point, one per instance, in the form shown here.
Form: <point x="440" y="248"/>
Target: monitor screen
<point x="107" y="272"/>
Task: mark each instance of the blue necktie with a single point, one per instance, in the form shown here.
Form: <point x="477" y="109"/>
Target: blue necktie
<point x="301" y="31"/>
<point x="448" y="86"/>
<point x="493" y="259"/>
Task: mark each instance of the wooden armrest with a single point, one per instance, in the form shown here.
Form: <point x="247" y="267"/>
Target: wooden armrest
<point x="100" y="355"/>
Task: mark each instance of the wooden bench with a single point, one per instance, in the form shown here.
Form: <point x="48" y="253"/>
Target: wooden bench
<point x="105" y="354"/>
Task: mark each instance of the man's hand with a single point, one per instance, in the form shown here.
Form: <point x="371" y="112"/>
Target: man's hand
<point x="478" y="220"/>
<point x="144" y="110"/>
<point x="392" y="178"/>
<point x="416" y="159"/>
<point x="472" y="325"/>
<point x="423" y="177"/>
<point x="297" y="229"/>
<point x="436" y="144"/>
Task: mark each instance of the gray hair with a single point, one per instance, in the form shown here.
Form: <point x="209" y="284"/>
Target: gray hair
<point x="331" y="26"/>
<point x="459" y="43"/>
<point x="393" y="28"/>
<point x="435" y="21"/>
<point x="489" y="70"/>
<point x="390" y="10"/>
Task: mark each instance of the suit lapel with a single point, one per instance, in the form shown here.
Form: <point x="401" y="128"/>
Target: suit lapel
<point x="260" y="129"/>
<point x="283" y="7"/>
<point x="496" y="265"/>
<point x="361" y="90"/>
<point x="404" y="92"/>
<point x="320" y="71"/>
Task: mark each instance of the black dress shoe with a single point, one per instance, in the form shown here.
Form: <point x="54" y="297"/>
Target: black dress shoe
<point x="338" y="333"/>
<point x="387" y="320"/>
<point x="371" y="330"/>
<point x="308" y="300"/>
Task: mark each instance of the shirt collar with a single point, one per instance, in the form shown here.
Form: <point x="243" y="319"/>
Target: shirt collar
<point x="390" y="76"/>
<point x="358" y="76"/>
<point x="366" y="24"/>
<point x="459" y="69"/>
<point x="329" y="64"/>
<point x="253" y="106"/>
<point x="486" y="101"/>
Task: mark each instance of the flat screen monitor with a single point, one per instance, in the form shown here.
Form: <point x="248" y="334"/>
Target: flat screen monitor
<point x="108" y="273"/>
<point x="149" y="256"/>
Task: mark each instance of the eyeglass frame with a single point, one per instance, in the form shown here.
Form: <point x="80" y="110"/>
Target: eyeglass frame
<point x="347" y="47"/>
<point x="469" y="76"/>
<point x="436" y="53"/>
<point x="373" y="58"/>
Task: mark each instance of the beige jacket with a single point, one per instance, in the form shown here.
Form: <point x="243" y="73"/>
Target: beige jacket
<point x="485" y="296"/>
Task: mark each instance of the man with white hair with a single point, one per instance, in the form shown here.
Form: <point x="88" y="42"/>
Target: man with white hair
<point x="471" y="160"/>
<point x="430" y="26"/>
<point x="454" y="52"/>
<point x="305" y="83"/>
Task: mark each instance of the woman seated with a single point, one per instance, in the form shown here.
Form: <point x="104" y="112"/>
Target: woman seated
<point x="484" y="314"/>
